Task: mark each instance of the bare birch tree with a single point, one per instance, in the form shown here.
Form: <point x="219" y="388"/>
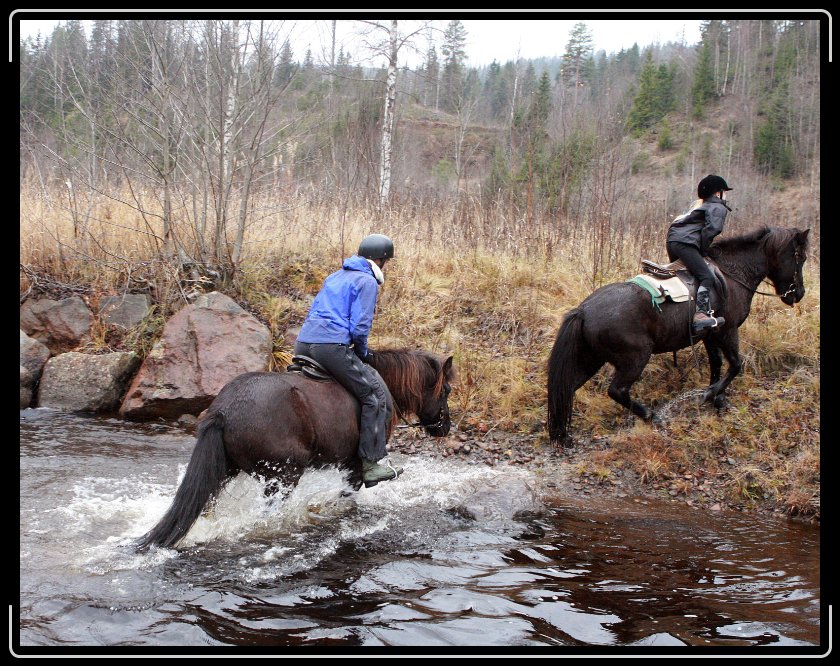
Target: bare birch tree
<point x="384" y="39"/>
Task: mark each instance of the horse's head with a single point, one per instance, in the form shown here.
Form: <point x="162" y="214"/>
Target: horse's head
<point x="434" y="410"/>
<point x="420" y="384"/>
<point x="786" y="255"/>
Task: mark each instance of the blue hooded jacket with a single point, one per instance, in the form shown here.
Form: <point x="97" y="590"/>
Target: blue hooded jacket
<point x="342" y="312"/>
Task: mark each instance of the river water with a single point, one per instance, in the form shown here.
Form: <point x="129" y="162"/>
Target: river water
<point x="400" y="564"/>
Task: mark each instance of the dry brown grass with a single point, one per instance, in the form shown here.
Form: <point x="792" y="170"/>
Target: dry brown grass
<point x="497" y="311"/>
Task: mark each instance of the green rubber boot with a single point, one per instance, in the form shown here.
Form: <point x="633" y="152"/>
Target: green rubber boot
<point x="373" y="472"/>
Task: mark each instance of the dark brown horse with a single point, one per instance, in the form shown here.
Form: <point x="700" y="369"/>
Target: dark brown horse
<point x="617" y="324"/>
<point x="275" y="425"/>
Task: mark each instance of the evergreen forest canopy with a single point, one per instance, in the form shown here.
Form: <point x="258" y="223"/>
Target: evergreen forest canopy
<point x="210" y="125"/>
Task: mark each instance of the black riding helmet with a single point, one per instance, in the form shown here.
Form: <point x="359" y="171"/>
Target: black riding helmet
<point x="711" y="184"/>
<point x="376" y="246"/>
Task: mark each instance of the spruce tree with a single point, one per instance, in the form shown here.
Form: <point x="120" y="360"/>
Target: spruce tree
<point x="454" y="57"/>
<point x="703" y="86"/>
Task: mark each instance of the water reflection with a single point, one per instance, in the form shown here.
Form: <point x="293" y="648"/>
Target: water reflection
<point x="399" y="564"/>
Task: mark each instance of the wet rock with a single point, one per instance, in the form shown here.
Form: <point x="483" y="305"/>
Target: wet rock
<point x="126" y="310"/>
<point x="203" y="347"/>
<point x="26" y="382"/>
<point x="501" y="498"/>
<point x="86" y="382"/>
<point x="60" y="325"/>
<point x="33" y="355"/>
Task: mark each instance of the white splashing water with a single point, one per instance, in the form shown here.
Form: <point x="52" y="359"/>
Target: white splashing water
<point x="676" y="405"/>
<point x="242" y="511"/>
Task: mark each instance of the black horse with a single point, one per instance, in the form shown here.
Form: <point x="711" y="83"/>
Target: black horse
<point x="275" y="425"/>
<point x="617" y="324"/>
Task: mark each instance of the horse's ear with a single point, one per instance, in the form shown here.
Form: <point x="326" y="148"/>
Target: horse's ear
<point x="447" y="367"/>
<point x="802" y="238"/>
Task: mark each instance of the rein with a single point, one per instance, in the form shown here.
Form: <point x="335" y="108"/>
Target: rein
<point x="436" y="424"/>
<point x="790" y="290"/>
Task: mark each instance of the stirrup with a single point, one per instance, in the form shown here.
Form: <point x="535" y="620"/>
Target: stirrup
<point x="710" y="322"/>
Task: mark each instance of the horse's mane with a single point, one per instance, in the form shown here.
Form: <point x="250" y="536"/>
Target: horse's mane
<point x="738" y="243"/>
<point x="407" y="372"/>
<point x="773" y="240"/>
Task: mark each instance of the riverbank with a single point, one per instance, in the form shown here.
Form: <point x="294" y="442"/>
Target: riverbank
<point x="581" y="471"/>
<point x="498" y="317"/>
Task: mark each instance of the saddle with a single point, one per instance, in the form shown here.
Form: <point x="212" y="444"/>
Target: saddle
<point x="309" y="367"/>
<point x="675" y="281"/>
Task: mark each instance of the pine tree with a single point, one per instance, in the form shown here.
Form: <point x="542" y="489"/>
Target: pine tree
<point x="540" y="105"/>
<point x="703" y="86"/>
<point x="285" y="66"/>
<point x="454" y="56"/>
<point x="431" y="75"/>
<point x="576" y="68"/>
<point x="655" y="97"/>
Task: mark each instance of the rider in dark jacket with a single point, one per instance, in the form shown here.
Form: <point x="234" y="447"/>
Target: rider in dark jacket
<point x="689" y="238"/>
<point x="335" y="334"/>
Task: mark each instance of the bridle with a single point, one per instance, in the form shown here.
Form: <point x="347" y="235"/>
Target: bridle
<point x="436" y="424"/>
<point x="790" y="290"/>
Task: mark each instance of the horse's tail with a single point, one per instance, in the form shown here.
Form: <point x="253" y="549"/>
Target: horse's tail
<point x="206" y="473"/>
<point x="570" y="364"/>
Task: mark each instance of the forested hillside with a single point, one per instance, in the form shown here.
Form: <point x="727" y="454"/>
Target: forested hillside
<point x="202" y="128"/>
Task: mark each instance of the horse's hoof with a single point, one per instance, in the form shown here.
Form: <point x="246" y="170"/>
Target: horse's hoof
<point x="655" y="419"/>
<point x="720" y="402"/>
<point x="564" y="443"/>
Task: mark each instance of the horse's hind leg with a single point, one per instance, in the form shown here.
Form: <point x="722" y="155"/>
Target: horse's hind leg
<point x="627" y="373"/>
<point x="277" y="475"/>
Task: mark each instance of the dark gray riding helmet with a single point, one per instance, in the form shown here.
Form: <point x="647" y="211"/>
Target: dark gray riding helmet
<point x="711" y="184"/>
<point x="376" y="246"/>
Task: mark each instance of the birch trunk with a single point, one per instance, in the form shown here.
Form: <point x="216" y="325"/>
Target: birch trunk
<point x="388" y="119"/>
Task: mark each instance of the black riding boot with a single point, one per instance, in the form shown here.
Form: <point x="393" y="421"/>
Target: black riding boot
<point x="703" y="318"/>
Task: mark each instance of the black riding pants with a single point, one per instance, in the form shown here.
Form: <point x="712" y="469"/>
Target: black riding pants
<point x="693" y="261"/>
<point x="365" y="384"/>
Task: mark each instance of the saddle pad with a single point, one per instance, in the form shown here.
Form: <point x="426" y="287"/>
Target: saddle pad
<point x="673" y="288"/>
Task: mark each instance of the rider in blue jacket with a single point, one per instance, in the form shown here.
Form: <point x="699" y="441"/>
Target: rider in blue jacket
<point x="335" y="334"/>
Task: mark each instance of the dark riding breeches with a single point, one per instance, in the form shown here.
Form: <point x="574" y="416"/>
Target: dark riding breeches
<point x="693" y="261"/>
<point x="364" y="383"/>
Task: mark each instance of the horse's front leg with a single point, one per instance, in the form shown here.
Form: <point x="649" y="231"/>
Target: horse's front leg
<point x="715" y="359"/>
<point x="715" y="365"/>
<point x="353" y="468"/>
<point x="728" y="344"/>
<point x="627" y="372"/>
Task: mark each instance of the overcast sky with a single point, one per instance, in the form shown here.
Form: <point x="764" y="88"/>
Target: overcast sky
<point x="501" y="39"/>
